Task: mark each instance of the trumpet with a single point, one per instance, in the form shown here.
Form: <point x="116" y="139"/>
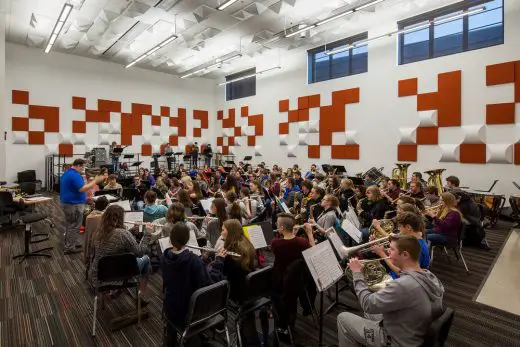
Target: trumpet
<point x="212" y="250"/>
<point x="366" y="261"/>
<point x="349" y="252"/>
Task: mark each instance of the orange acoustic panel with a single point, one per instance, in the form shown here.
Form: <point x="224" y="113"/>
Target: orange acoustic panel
<point x="345" y="96"/>
<point x="326" y="125"/>
<point x="500" y="113"/>
<point x="231" y="141"/>
<point x="517" y="81"/>
<point x="220" y="115"/>
<point x="36" y="137"/>
<point x="407" y="152"/>
<point x="500" y="73"/>
<point x="203" y="117"/>
<point x="181" y="112"/>
<point x="344" y="152"/>
<point x="142" y="109"/>
<point x="313" y="151"/>
<point x="244" y="111"/>
<point x="225" y="150"/>
<point x="427" y="136"/>
<point x="293" y="116"/>
<point x="79" y="103"/>
<point x="303" y="102"/>
<point x="251" y="140"/>
<point x="66" y="149"/>
<point x="283" y="105"/>
<point x="427" y="101"/>
<point x="165" y="111"/>
<point x="20" y="97"/>
<point x="516" y="154"/>
<point x="146" y="150"/>
<point x="449" y="99"/>
<point x="93" y="116"/>
<point x="473" y="153"/>
<point x="258" y="122"/>
<point x="303" y="115"/>
<point x="238" y="131"/>
<point x="181" y="121"/>
<point x="173" y="140"/>
<point x="79" y="127"/>
<point x="20" y="123"/>
<point x="229" y="122"/>
<point x="109" y="105"/>
<point x="314" y="101"/>
<point x="197" y="132"/>
<point x="407" y="87"/>
<point x="283" y="128"/>
<point x="220" y="141"/>
<point x="156" y="120"/>
<point x="50" y="116"/>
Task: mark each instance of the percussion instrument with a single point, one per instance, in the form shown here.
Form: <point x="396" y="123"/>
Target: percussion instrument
<point x="492" y="203"/>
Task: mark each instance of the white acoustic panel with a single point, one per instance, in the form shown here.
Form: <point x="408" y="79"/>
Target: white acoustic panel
<point x="103" y="139"/>
<point x="302" y="139"/>
<point x="314" y="115"/>
<point x="238" y="141"/>
<point x="450" y="153"/>
<point x="408" y="136"/>
<point x="474" y="134"/>
<point x="20" y="137"/>
<point x="51" y="148"/>
<point x="115" y="128"/>
<point x="65" y="138"/>
<point x="231" y="151"/>
<point x="314" y="126"/>
<point x="291" y="151"/>
<point x="156" y="148"/>
<point x="104" y="128"/>
<point x="303" y="127"/>
<point x="250" y="131"/>
<point x="258" y="151"/>
<point x="156" y="130"/>
<point x="228" y="131"/>
<point x="79" y="139"/>
<point x="428" y="118"/>
<point x="500" y="153"/>
<point x="146" y="139"/>
<point x="225" y="141"/>
<point x="174" y="131"/>
<point x="351" y="137"/>
<point x="243" y="131"/>
<point x="517" y="133"/>
<point x="284" y="141"/>
<point x="339" y="138"/>
<point x="165" y="139"/>
<point x="89" y="147"/>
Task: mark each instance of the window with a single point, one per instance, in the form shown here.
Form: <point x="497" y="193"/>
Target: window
<point x="243" y="87"/>
<point x="444" y="37"/>
<point x="322" y="67"/>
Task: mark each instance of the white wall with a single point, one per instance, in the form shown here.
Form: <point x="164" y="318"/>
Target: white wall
<point x="53" y="79"/>
<point x="381" y="113"/>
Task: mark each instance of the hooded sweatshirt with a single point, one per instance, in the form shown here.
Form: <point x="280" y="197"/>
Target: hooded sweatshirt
<point x="153" y="212"/>
<point x="408" y="305"/>
<point x="183" y="273"/>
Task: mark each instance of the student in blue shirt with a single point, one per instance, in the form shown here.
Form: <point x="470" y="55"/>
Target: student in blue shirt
<point x="72" y="198"/>
<point x="412" y="224"/>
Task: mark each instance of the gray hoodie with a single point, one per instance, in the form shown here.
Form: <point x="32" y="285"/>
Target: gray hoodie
<point x="408" y="305"/>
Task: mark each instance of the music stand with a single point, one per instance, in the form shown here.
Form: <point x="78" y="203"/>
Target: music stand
<point x="340" y="169"/>
<point x="117" y="150"/>
<point x="128" y="156"/>
<point x="326" y="168"/>
<point x="358" y="181"/>
<point x="137" y="163"/>
<point x="248" y="158"/>
<point x="130" y="193"/>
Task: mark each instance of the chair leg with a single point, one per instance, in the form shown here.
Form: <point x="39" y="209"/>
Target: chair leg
<point x="138" y="307"/>
<point x="237" y="327"/>
<point x="463" y="260"/>
<point x="228" y="341"/>
<point x="289" y="329"/>
<point x="447" y="255"/>
<point x="183" y="336"/>
<point x="94" y="317"/>
<point x="431" y="255"/>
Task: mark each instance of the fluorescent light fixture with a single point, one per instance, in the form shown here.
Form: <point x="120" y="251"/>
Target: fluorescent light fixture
<point x="460" y="15"/>
<point x="152" y="50"/>
<point x="371" y="3"/>
<point x="330" y="19"/>
<point x="301" y="30"/>
<point x="226" y="4"/>
<point x="250" y="75"/>
<point x="206" y="68"/>
<point x="407" y="30"/>
<point x="64" y="15"/>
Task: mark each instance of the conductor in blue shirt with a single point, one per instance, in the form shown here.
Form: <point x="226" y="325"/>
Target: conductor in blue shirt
<point x="73" y="198"/>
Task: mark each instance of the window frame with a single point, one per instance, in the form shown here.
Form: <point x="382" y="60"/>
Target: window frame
<point x="430" y="16"/>
<point x="311" y="57"/>
<point x="229" y="86"/>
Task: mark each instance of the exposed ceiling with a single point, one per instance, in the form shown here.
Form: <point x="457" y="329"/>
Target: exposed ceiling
<point x="122" y="30"/>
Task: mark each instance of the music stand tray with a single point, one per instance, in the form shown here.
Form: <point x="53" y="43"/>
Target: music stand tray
<point x="117" y="150"/>
<point x="128" y="156"/>
<point x="247" y="158"/>
<point x="137" y="163"/>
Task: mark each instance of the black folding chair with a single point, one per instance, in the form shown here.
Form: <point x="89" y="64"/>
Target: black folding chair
<point x="117" y="268"/>
<point x="439" y="330"/>
<point x="207" y="310"/>
<point x="28" y="220"/>
<point x="456" y="247"/>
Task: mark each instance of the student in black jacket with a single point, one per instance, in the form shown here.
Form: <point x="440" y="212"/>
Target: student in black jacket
<point x="373" y="207"/>
<point x="183" y="273"/>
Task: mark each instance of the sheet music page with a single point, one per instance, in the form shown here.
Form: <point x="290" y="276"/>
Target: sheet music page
<point x="136" y="216"/>
<point x="38" y="198"/>
<point x="165" y="243"/>
<point x="193" y="242"/>
<point x="206" y="204"/>
<point x="255" y="234"/>
<point x="336" y="242"/>
<point x="353" y="217"/>
<point x="323" y="265"/>
<point x="351" y="230"/>
<point x="125" y="204"/>
<point x="108" y="196"/>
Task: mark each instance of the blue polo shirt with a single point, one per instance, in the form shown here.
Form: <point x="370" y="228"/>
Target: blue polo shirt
<point x="70" y="184"/>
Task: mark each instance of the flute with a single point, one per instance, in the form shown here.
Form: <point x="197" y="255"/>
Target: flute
<point x="212" y="250"/>
<point x="201" y="217"/>
<point x="145" y="223"/>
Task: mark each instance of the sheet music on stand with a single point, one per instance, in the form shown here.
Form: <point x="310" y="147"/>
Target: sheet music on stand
<point x="125" y="204"/>
<point x="165" y="243"/>
<point x="351" y="230"/>
<point x="135" y="216"/>
<point x="352" y="217"/>
<point x="256" y="235"/>
<point x="206" y="204"/>
<point x="335" y="241"/>
<point x="323" y="265"/>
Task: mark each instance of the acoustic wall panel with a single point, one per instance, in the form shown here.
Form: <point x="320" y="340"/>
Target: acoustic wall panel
<point x="450" y="153"/>
<point x="500" y="153"/>
<point x="474" y="134"/>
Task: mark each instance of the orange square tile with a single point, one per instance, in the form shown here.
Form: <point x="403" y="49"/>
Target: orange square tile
<point x="66" y="149"/>
<point x="220" y="115"/>
<point x="427" y="101"/>
<point x="109" y="105"/>
<point x="314" y="100"/>
<point x="516" y="154"/>
<point x="220" y="141"/>
<point x="313" y="151"/>
<point x="500" y="73"/>
<point x="293" y="116"/>
<point x="283" y="128"/>
<point x="36" y="137"/>
<point x="197" y="132"/>
<point x="427" y="136"/>
<point x="303" y="102"/>
<point x="244" y="111"/>
<point x="20" y="97"/>
<point x="407" y="152"/>
<point x="303" y="115"/>
<point x="156" y="120"/>
<point x="500" y="113"/>
<point x="283" y="105"/>
<point x="251" y="140"/>
<point x="473" y="153"/>
<point x="79" y="103"/>
<point x="146" y="150"/>
<point x="407" y="87"/>
<point x="165" y="111"/>
<point x="20" y="123"/>
<point x="79" y="127"/>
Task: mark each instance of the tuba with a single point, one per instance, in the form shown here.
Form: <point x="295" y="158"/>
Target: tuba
<point x="435" y="179"/>
<point x="400" y="173"/>
<point x="386" y="224"/>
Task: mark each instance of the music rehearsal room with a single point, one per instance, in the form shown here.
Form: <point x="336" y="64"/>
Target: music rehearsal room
<point x="255" y="173"/>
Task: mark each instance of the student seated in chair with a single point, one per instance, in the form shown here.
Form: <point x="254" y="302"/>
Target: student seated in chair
<point x="183" y="273"/>
<point x="152" y="210"/>
<point x="399" y="314"/>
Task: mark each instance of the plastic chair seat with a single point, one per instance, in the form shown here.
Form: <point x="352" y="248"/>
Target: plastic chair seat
<point x="198" y="328"/>
<point x="32" y="218"/>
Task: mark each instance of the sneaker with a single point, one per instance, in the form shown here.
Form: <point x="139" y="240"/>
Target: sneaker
<point x="73" y="251"/>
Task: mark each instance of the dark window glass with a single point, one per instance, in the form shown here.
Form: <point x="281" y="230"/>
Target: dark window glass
<point x="416" y="45"/>
<point x="241" y="88"/>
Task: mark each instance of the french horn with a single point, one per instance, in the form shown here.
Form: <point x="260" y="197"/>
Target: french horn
<point x="386" y="224"/>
